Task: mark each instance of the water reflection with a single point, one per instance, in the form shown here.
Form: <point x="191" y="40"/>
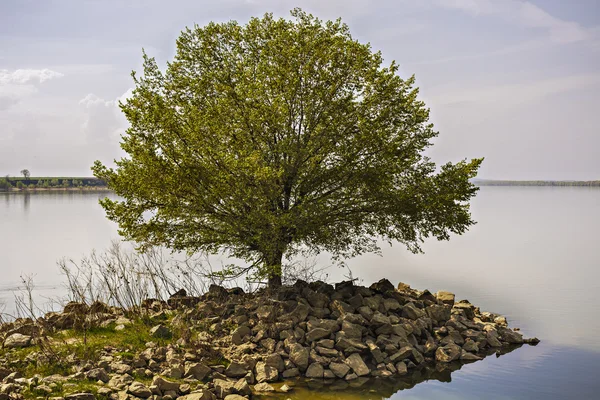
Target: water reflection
<point x="371" y="388"/>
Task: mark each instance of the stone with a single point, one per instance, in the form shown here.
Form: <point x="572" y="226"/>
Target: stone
<point x="314" y="370"/>
<point x="411" y="311"/>
<point x="223" y="388"/>
<point x="265" y="373"/>
<point x="339" y="369"/>
<point x="17" y="340"/>
<point x="466" y="356"/>
<point x="299" y="356"/>
<point x="97" y="374"/>
<point x="351" y="330"/>
<point x="439" y="313"/>
<point x="161" y="332"/>
<point x="357" y="364"/>
<point x="164" y="385"/>
<point x="198" y="371"/>
<point x="235" y="397"/>
<point x="404" y="353"/>
<point x="238" y="335"/>
<point x="471" y="346"/>
<point x="198" y="395"/>
<point x="510" y="336"/>
<point x="316" y="334"/>
<point x="391" y="304"/>
<point x="235" y="370"/>
<point x="401" y="368"/>
<point x="263" y="387"/>
<point x="382" y="286"/>
<point x="138" y="389"/>
<point x="445" y="297"/>
<point x="242" y="387"/>
<point x="80" y="396"/>
<point x="329" y="325"/>
<point x="290" y="373"/>
<point x="448" y="353"/>
<point x="285" y="388"/>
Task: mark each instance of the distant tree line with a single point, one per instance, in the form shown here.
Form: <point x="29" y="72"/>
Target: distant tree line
<point x="26" y="182"/>
<point x="483" y="182"/>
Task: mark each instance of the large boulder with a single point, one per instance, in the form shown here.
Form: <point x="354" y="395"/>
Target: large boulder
<point x="299" y="356"/>
<point x="315" y="370"/>
<point x="448" y="353"/>
<point x="265" y="373"/>
<point x="197" y="371"/>
<point x="17" y="340"/>
<point x="138" y="389"/>
<point x="357" y="364"/>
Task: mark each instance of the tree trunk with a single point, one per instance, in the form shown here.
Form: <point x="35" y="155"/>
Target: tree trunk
<point x="274" y="262"/>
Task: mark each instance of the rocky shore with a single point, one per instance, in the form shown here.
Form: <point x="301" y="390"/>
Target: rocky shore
<point x="232" y="345"/>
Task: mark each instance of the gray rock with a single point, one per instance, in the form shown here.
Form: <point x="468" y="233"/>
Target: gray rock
<point x="339" y="369"/>
<point x="198" y="371"/>
<point x="391" y="304"/>
<point x="510" y="336"/>
<point x="439" y="313"/>
<point x="199" y="395"/>
<point x="235" y="397"/>
<point x="265" y="373"/>
<point x="411" y="311"/>
<point x="329" y="325"/>
<point x="242" y="387"/>
<point x="290" y="373"/>
<point x="314" y="370"/>
<point x="238" y="335"/>
<point x="138" y="389"/>
<point x="223" y="388"/>
<point x="445" y="297"/>
<point x="17" y="340"/>
<point x="164" y="385"/>
<point x="263" y="387"/>
<point x="80" y="396"/>
<point x="448" y="353"/>
<point x="316" y="334"/>
<point x="401" y="368"/>
<point x="299" y="356"/>
<point x="235" y="370"/>
<point x="403" y="353"/>
<point x="357" y="364"/>
<point x="97" y="374"/>
<point x="161" y="332"/>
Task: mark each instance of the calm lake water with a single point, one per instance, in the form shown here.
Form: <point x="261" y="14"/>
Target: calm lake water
<point x="534" y="256"/>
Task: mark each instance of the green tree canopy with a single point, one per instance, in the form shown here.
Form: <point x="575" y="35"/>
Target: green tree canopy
<point x="264" y="139"/>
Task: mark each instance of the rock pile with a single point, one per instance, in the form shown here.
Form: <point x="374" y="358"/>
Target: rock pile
<point x="311" y="330"/>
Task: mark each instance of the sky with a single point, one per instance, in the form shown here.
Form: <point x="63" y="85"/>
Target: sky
<point x="516" y="82"/>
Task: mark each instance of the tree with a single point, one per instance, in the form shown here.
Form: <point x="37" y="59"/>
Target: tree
<point x="279" y="137"/>
<point x="25" y="173"/>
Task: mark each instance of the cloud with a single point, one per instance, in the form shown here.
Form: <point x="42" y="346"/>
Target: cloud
<point x="23" y="76"/>
<point x="522" y="13"/>
<point x="19" y="84"/>
<point x="103" y="120"/>
<point x="514" y="94"/>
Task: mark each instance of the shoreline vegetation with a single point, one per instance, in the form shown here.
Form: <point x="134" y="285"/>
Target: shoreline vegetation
<point x="493" y="182"/>
<point x="51" y="183"/>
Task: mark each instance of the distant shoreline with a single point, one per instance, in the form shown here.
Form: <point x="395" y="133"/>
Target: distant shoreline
<point x="492" y="182"/>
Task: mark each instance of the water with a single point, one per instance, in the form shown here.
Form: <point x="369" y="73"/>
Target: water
<point x="534" y="256"/>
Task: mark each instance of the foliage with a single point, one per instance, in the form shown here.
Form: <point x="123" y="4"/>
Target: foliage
<point x="25" y="173"/>
<point x="276" y="137"/>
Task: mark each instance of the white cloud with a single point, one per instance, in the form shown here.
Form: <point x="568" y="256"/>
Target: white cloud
<point x="103" y="121"/>
<point x="19" y="83"/>
<point x="522" y="13"/>
<point x="513" y="94"/>
<point x="23" y="76"/>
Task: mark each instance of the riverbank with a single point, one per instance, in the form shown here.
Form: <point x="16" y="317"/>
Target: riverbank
<point x="229" y="344"/>
<point x="59" y="189"/>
